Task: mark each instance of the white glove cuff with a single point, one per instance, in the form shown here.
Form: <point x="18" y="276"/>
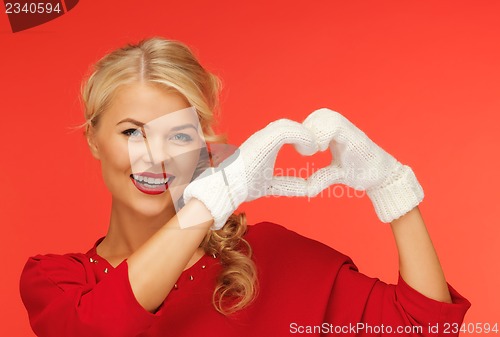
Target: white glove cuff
<point x="397" y="195"/>
<point x="222" y="190"/>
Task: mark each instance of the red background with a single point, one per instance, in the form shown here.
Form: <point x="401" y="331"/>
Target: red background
<point x="420" y="78"/>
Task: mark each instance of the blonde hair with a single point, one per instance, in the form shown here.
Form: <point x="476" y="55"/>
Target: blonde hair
<point x="171" y="65"/>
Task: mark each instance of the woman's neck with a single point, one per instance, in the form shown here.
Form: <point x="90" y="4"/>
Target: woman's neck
<point x="128" y="230"/>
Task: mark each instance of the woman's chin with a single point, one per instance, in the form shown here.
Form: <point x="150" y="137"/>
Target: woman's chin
<point x="154" y="212"/>
<point x="152" y="207"/>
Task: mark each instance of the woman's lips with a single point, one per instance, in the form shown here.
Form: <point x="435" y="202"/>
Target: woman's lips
<point x="152" y="183"/>
<point x="152" y="175"/>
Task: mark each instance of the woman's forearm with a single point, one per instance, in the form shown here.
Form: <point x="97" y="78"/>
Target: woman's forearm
<point x="155" y="267"/>
<point x="418" y="262"/>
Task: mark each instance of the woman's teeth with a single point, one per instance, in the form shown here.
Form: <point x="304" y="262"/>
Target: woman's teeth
<point x="151" y="181"/>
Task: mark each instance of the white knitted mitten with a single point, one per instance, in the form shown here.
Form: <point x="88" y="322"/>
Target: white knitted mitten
<point x="361" y="164"/>
<point x="248" y="173"/>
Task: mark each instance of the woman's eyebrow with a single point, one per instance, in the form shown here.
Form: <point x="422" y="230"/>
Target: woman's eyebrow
<point x="130" y="120"/>
<point x="183" y="126"/>
<point x="175" y="128"/>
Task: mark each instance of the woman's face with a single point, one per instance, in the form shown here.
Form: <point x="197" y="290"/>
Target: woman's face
<point x="148" y="142"/>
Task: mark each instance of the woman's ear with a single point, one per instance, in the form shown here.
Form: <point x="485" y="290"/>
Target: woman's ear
<point x="91" y="140"/>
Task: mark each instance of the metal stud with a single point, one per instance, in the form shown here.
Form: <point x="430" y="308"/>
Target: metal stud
<point x="191" y="277"/>
<point x="213" y="254"/>
<point x="106" y="270"/>
<point x="92" y="260"/>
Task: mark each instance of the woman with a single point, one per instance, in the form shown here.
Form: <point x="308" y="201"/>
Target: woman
<point x="177" y="261"/>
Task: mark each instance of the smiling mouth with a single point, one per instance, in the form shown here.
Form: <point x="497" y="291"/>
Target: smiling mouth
<point x="152" y="183"/>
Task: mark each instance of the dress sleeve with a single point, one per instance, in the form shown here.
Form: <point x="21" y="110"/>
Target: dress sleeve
<point x="376" y="308"/>
<point x="63" y="299"/>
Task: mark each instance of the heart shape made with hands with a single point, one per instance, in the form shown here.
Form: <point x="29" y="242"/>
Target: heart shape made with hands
<point x="356" y="160"/>
<point x="358" y="163"/>
<point x="248" y="173"/>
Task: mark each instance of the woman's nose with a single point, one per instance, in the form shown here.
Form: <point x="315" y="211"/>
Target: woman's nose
<point x="157" y="150"/>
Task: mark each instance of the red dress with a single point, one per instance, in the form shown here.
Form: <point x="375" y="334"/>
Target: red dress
<point x="306" y="287"/>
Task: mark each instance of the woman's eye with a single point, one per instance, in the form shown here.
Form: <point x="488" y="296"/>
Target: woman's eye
<point x="132" y="132"/>
<point x="182" y="137"/>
